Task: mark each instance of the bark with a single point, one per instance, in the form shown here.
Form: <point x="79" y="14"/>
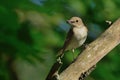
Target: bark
<point x="94" y="52"/>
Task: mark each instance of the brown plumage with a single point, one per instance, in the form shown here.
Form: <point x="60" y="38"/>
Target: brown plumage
<point x="76" y="35"/>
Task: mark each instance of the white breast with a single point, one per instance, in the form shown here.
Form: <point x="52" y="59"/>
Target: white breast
<point x="80" y="34"/>
<point x="78" y="39"/>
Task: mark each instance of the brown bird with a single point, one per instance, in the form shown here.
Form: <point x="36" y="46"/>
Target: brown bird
<point x="75" y="37"/>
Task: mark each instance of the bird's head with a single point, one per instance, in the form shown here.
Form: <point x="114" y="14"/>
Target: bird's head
<point x="75" y="22"/>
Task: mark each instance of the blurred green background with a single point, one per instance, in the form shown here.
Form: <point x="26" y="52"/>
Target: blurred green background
<point x="33" y="31"/>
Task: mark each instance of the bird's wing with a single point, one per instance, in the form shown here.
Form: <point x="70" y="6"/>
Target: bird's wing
<point x="66" y="43"/>
<point x="68" y="39"/>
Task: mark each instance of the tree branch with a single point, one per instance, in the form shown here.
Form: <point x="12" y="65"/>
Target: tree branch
<point x="93" y="53"/>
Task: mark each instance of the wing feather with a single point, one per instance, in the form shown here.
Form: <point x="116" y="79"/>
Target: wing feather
<point x="66" y="43"/>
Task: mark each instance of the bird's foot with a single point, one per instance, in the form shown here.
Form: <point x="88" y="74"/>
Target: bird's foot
<point x="84" y="46"/>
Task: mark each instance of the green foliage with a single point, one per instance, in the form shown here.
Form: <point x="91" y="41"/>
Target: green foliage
<point x="32" y="32"/>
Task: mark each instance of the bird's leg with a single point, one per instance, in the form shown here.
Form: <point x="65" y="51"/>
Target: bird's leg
<point x="73" y="53"/>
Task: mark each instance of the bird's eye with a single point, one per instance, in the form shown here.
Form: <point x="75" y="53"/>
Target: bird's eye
<point x="76" y="20"/>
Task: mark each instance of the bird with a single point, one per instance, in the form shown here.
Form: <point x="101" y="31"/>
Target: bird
<point x="76" y="36"/>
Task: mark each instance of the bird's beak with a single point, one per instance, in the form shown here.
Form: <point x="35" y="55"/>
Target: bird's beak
<point x="69" y="21"/>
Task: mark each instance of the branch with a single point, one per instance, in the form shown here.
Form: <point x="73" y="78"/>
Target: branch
<point x="93" y="53"/>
